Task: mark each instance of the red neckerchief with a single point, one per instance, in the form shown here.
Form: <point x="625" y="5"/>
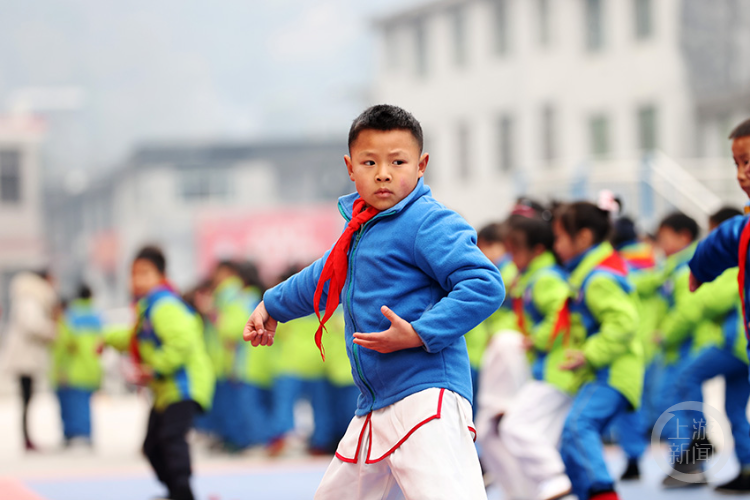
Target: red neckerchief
<point x="742" y="262"/>
<point x="336" y="266"/>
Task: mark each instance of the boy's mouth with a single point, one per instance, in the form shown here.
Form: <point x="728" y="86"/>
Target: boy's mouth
<point x="383" y="192"/>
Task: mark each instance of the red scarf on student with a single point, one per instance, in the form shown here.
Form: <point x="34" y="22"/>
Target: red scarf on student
<point x="335" y="268"/>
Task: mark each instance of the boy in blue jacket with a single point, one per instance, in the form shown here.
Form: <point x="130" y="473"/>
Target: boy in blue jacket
<point x="727" y="247"/>
<point x="412" y="282"/>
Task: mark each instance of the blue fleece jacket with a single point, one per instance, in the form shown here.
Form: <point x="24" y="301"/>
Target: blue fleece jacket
<point x="719" y="252"/>
<point x="421" y="260"/>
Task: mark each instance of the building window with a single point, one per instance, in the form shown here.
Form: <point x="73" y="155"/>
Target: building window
<point x="543" y="11"/>
<point x="204" y="183"/>
<point x="594" y="25"/>
<point x="647" y="128"/>
<point x="458" y="21"/>
<point x="420" y="48"/>
<point x="10" y="176"/>
<point x="506" y="154"/>
<point x="643" y="19"/>
<point x="548" y="133"/>
<point x="500" y="26"/>
<point x="463" y="150"/>
<point x="599" y="133"/>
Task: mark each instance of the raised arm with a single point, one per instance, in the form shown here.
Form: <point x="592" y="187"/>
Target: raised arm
<point x="718" y="251"/>
<point x="286" y="301"/>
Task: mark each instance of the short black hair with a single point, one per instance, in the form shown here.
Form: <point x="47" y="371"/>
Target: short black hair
<point x="580" y="215"/>
<point x="679" y="222"/>
<point x="84" y="291"/>
<point x="154" y="255"/>
<point x="229" y="265"/>
<point x="624" y="232"/>
<point x="250" y="275"/>
<point x="536" y="231"/>
<point x="741" y="130"/>
<point x="491" y="233"/>
<point x="724" y="214"/>
<point x="386" y="117"/>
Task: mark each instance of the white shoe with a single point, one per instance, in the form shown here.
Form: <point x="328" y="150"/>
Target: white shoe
<point x="557" y="488"/>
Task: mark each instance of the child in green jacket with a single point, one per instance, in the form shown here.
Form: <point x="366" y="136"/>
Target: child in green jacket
<point x="169" y="357"/>
<point x="523" y="448"/>
<point x="76" y="370"/>
<point x="712" y="316"/>
<point x="604" y="304"/>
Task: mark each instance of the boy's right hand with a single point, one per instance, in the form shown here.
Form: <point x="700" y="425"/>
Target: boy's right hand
<point x="260" y="328"/>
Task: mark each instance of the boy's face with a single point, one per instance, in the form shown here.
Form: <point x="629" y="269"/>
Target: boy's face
<point x="144" y="277"/>
<point x="741" y="154"/>
<point x="385" y="166"/>
<point x="671" y="241"/>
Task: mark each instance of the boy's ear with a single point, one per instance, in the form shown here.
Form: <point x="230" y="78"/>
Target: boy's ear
<point x="349" y="166"/>
<point x="423" y="161"/>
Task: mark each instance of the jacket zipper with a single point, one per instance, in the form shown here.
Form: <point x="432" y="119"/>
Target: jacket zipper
<point x="349" y="293"/>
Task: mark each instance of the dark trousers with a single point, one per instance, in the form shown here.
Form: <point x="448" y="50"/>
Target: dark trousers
<point x="27" y="387"/>
<point x="167" y="449"/>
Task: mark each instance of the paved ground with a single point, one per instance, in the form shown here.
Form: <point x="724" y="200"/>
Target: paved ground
<point x="114" y="470"/>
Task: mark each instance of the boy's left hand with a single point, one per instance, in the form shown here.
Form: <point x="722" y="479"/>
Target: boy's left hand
<point x="573" y="360"/>
<point x="401" y="335"/>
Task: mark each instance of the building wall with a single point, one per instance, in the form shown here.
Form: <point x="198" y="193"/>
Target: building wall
<point x="625" y="75"/>
<point x="22" y="245"/>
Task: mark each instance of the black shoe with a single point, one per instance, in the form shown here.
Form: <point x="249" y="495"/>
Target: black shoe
<point x="694" y="470"/>
<point x="632" y="472"/>
<point x="740" y="484"/>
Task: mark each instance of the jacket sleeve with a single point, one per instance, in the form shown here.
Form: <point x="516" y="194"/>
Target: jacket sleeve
<point x="617" y="315"/>
<point x="177" y="329"/>
<point x="718" y="251"/>
<point x="549" y="294"/>
<point x="709" y="302"/>
<point x="445" y="249"/>
<point x="118" y="336"/>
<point x="293" y="298"/>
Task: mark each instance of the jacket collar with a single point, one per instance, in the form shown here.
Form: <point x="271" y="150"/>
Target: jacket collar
<point x="581" y="266"/>
<point x="346" y="203"/>
<point x="538" y="263"/>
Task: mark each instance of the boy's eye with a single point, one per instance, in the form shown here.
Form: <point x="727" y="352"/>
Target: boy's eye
<point x="369" y="163"/>
<point x="398" y="162"/>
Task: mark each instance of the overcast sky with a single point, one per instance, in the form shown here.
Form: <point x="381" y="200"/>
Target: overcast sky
<point x="175" y="69"/>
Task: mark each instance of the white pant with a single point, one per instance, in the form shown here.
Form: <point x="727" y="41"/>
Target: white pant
<point x="505" y="370"/>
<point x="530" y="432"/>
<point x="437" y="461"/>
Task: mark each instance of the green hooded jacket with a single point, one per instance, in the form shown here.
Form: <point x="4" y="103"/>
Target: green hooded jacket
<point x="170" y="342"/>
<point x="543" y="291"/>
<point x="675" y="293"/>
<point x="75" y="361"/>
<point x="606" y="307"/>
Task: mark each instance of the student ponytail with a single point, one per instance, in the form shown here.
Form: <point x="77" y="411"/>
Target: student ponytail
<point x="574" y="217"/>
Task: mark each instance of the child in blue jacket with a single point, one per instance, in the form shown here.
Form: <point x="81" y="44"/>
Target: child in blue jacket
<point x="727" y="247"/>
<point x="412" y="282"/>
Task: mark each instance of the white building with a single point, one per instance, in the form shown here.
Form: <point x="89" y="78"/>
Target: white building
<point x="199" y="202"/>
<point x="558" y="98"/>
<point x="22" y="243"/>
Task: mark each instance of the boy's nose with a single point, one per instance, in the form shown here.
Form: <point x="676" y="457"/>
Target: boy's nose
<point x="383" y="175"/>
